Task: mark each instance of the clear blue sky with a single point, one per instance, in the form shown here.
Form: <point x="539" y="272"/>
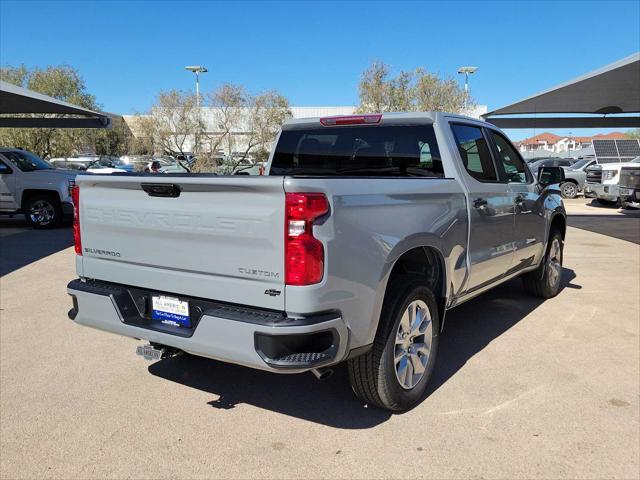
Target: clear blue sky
<point x="314" y="53"/>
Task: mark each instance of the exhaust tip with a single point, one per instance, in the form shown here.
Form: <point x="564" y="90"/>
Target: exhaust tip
<point x="322" y="373"/>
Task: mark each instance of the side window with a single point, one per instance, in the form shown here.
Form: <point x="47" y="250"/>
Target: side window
<point x="475" y="152"/>
<point x="4" y="168"/>
<point x="511" y="162"/>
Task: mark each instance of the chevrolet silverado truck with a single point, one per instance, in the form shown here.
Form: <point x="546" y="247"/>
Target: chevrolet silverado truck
<point x="603" y="181"/>
<point x="365" y="231"/>
<point x="629" y="184"/>
<point x="31" y="186"/>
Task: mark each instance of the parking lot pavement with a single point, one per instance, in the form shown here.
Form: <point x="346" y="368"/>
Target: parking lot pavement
<point x="522" y="389"/>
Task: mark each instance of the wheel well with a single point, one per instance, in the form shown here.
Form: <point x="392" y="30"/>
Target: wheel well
<point x="426" y="262"/>
<point x="28" y="194"/>
<point x="572" y="180"/>
<point x="559" y="223"/>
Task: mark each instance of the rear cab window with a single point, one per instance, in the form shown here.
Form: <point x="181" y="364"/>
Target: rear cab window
<point x="388" y="151"/>
<point x="475" y="152"/>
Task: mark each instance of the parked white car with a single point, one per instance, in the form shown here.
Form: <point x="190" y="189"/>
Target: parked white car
<point x="32" y="186"/>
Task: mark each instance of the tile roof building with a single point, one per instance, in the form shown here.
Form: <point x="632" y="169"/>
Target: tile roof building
<point x="549" y="142"/>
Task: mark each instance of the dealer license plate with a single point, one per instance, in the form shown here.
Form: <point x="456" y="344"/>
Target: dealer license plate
<point x="171" y="311"/>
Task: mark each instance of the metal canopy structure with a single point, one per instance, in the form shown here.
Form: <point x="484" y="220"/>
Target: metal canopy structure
<point x="16" y="101"/>
<point x="611" y="92"/>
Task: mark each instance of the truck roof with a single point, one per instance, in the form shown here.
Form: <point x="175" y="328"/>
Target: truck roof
<point x="395" y="118"/>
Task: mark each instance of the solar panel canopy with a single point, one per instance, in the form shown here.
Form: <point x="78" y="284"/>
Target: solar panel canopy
<point x="616" y="151"/>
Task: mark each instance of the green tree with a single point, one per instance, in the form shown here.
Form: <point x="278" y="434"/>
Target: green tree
<point x="633" y="134"/>
<point x="63" y="83"/>
<point x="419" y="90"/>
<point x="374" y="89"/>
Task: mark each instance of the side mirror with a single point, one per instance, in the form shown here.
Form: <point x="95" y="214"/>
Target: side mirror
<point x="550" y="176"/>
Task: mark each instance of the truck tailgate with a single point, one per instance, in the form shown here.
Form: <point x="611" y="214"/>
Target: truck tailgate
<point x="220" y="238"/>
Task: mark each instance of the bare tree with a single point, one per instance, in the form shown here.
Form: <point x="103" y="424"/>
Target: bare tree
<point x="175" y="121"/>
<point x="241" y="120"/>
<point x="234" y="119"/>
<point x="229" y="102"/>
<point x="264" y="115"/>
<point x="145" y="136"/>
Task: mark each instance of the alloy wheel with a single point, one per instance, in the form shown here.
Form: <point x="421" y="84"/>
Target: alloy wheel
<point x="554" y="262"/>
<point x="413" y="344"/>
<point x="569" y="190"/>
<point x="42" y="213"/>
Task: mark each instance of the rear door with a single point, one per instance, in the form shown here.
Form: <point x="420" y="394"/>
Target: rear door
<point x="219" y="238"/>
<point x="491" y="208"/>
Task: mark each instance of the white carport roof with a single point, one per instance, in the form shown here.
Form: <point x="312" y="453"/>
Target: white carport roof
<point x="17" y="101"/>
<point x="611" y="92"/>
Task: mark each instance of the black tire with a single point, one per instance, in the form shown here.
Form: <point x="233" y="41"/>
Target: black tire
<point x="43" y="211"/>
<point x="373" y="375"/>
<point x="543" y="282"/>
<point x="569" y="190"/>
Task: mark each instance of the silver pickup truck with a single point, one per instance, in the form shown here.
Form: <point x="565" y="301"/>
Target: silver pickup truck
<point x="366" y="230"/>
<point x="31" y="186"/>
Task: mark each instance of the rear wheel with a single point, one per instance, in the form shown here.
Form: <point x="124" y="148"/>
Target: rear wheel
<point x="43" y="211"/>
<point x="394" y="374"/>
<point x="544" y="281"/>
<point x="569" y="190"/>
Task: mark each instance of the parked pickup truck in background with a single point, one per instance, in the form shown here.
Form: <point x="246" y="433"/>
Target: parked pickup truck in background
<point x="603" y="179"/>
<point x="576" y="177"/>
<point x="366" y="230"/>
<point x="31" y="186"/>
<point x="630" y="184"/>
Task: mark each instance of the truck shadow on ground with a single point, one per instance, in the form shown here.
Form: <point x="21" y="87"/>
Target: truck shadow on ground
<point x="625" y="226"/>
<point x="21" y="245"/>
<point x="468" y="329"/>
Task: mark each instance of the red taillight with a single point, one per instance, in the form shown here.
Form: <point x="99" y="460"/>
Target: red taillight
<point x="351" y="120"/>
<point x="304" y="254"/>
<point x="75" y="198"/>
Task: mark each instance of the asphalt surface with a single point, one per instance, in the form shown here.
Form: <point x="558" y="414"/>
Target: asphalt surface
<point x="522" y="388"/>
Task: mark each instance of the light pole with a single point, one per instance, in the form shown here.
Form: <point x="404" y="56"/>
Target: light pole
<point x="467" y="71"/>
<point x="197" y="69"/>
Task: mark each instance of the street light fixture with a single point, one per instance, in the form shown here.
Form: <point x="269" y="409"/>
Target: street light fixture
<point x="467" y="71"/>
<point x="197" y="69"/>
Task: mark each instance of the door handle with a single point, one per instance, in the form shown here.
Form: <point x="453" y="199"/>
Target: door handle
<point x="479" y="203"/>
<point x="521" y="205"/>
